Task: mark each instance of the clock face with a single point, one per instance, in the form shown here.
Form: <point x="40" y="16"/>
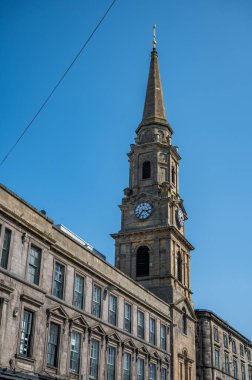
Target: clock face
<point x="180" y="217"/>
<point x="143" y="210"/>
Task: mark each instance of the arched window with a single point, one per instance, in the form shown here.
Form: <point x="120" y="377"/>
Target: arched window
<point x="173" y="175"/>
<point x="179" y="267"/>
<point x="184" y="321"/>
<point x="142" y="261"/>
<point x="146" y="170"/>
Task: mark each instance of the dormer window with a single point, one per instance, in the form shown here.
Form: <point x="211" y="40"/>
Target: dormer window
<point x="146" y="170"/>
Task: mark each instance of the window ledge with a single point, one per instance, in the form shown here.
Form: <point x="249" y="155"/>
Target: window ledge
<point x="73" y="374"/>
<point x="25" y="358"/>
<point x="51" y="368"/>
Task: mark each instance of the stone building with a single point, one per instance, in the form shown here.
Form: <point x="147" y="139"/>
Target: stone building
<point x="222" y="352"/>
<point x="65" y="313"/>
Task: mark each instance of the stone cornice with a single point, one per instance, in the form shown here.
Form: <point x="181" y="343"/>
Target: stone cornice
<point x="26" y="203"/>
<point x="152" y="123"/>
<point x="201" y="313"/>
<point x="18" y="219"/>
<point x="158" y="145"/>
<point x="172" y="229"/>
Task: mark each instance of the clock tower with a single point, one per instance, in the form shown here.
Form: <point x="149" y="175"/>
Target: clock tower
<point x="151" y="246"/>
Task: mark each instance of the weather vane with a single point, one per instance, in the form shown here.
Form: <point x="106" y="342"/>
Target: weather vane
<point x="154" y="42"/>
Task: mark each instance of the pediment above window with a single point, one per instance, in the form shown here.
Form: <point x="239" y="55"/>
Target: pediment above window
<point x="154" y="355"/>
<point x="97" y="329"/>
<point x="114" y="337"/>
<point x="143" y="350"/>
<point x="58" y="312"/>
<point x="166" y="360"/>
<point x="79" y="322"/>
<point x="129" y="344"/>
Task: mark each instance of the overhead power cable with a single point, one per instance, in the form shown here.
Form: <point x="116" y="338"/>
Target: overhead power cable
<point x="56" y="85"/>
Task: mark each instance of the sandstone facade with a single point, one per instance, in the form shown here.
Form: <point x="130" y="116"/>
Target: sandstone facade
<point x="222" y="352"/>
<point x="18" y="293"/>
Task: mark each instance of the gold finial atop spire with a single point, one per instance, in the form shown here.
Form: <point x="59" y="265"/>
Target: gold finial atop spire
<point x="154" y="41"/>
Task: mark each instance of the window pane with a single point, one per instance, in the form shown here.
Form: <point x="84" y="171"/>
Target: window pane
<point x="152" y="331"/>
<point x="6" y="248"/>
<point x="126" y="366"/>
<point x="78" y="291"/>
<point x="112" y="310"/>
<point x="127" y="317"/>
<point x="140" y="324"/>
<point x="163" y="374"/>
<point x="53" y="345"/>
<point x="140" y="369"/>
<point x="250" y="373"/>
<point x="217" y="359"/>
<point x="235" y="368"/>
<point x="34" y="265"/>
<point x="225" y="340"/>
<point x="96" y="304"/>
<point x="241" y="350"/>
<point x="163" y="336"/>
<point x="243" y="371"/>
<point x="234" y="346"/>
<point x="152" y="371"/>
<point x="216" y="334"/>
<point x="26" y="334"/>
<point x="249" y="355"/>
<point x="111" y="353"/>
<point x="58" y="285"/>
<point x="227" y="363"/>
<point x="75" y="351"/>
<point x="94" y="359"/>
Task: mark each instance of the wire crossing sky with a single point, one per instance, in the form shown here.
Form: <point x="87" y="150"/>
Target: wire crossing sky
<point x="74" y="164"/>
<point x="57" y="85"/>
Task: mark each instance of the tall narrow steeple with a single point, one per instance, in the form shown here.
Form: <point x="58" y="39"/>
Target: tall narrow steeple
<point x="154" y="109"/>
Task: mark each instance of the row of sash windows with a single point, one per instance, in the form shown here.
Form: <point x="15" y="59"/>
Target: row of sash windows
<point x="234" y="347"/>
<point x="235" y="366"/>
<point x="33" y="276"/>
<point x="25" y="343"/>
<point x="25" y="349"/>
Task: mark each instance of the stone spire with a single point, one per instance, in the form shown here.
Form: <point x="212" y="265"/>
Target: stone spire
<point x="154" y="109"/>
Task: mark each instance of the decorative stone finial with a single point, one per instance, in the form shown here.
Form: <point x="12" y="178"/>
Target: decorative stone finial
<point x="154" y="41"/>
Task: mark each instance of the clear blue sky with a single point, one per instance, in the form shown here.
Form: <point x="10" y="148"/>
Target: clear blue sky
<point x="73" y="161"/>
